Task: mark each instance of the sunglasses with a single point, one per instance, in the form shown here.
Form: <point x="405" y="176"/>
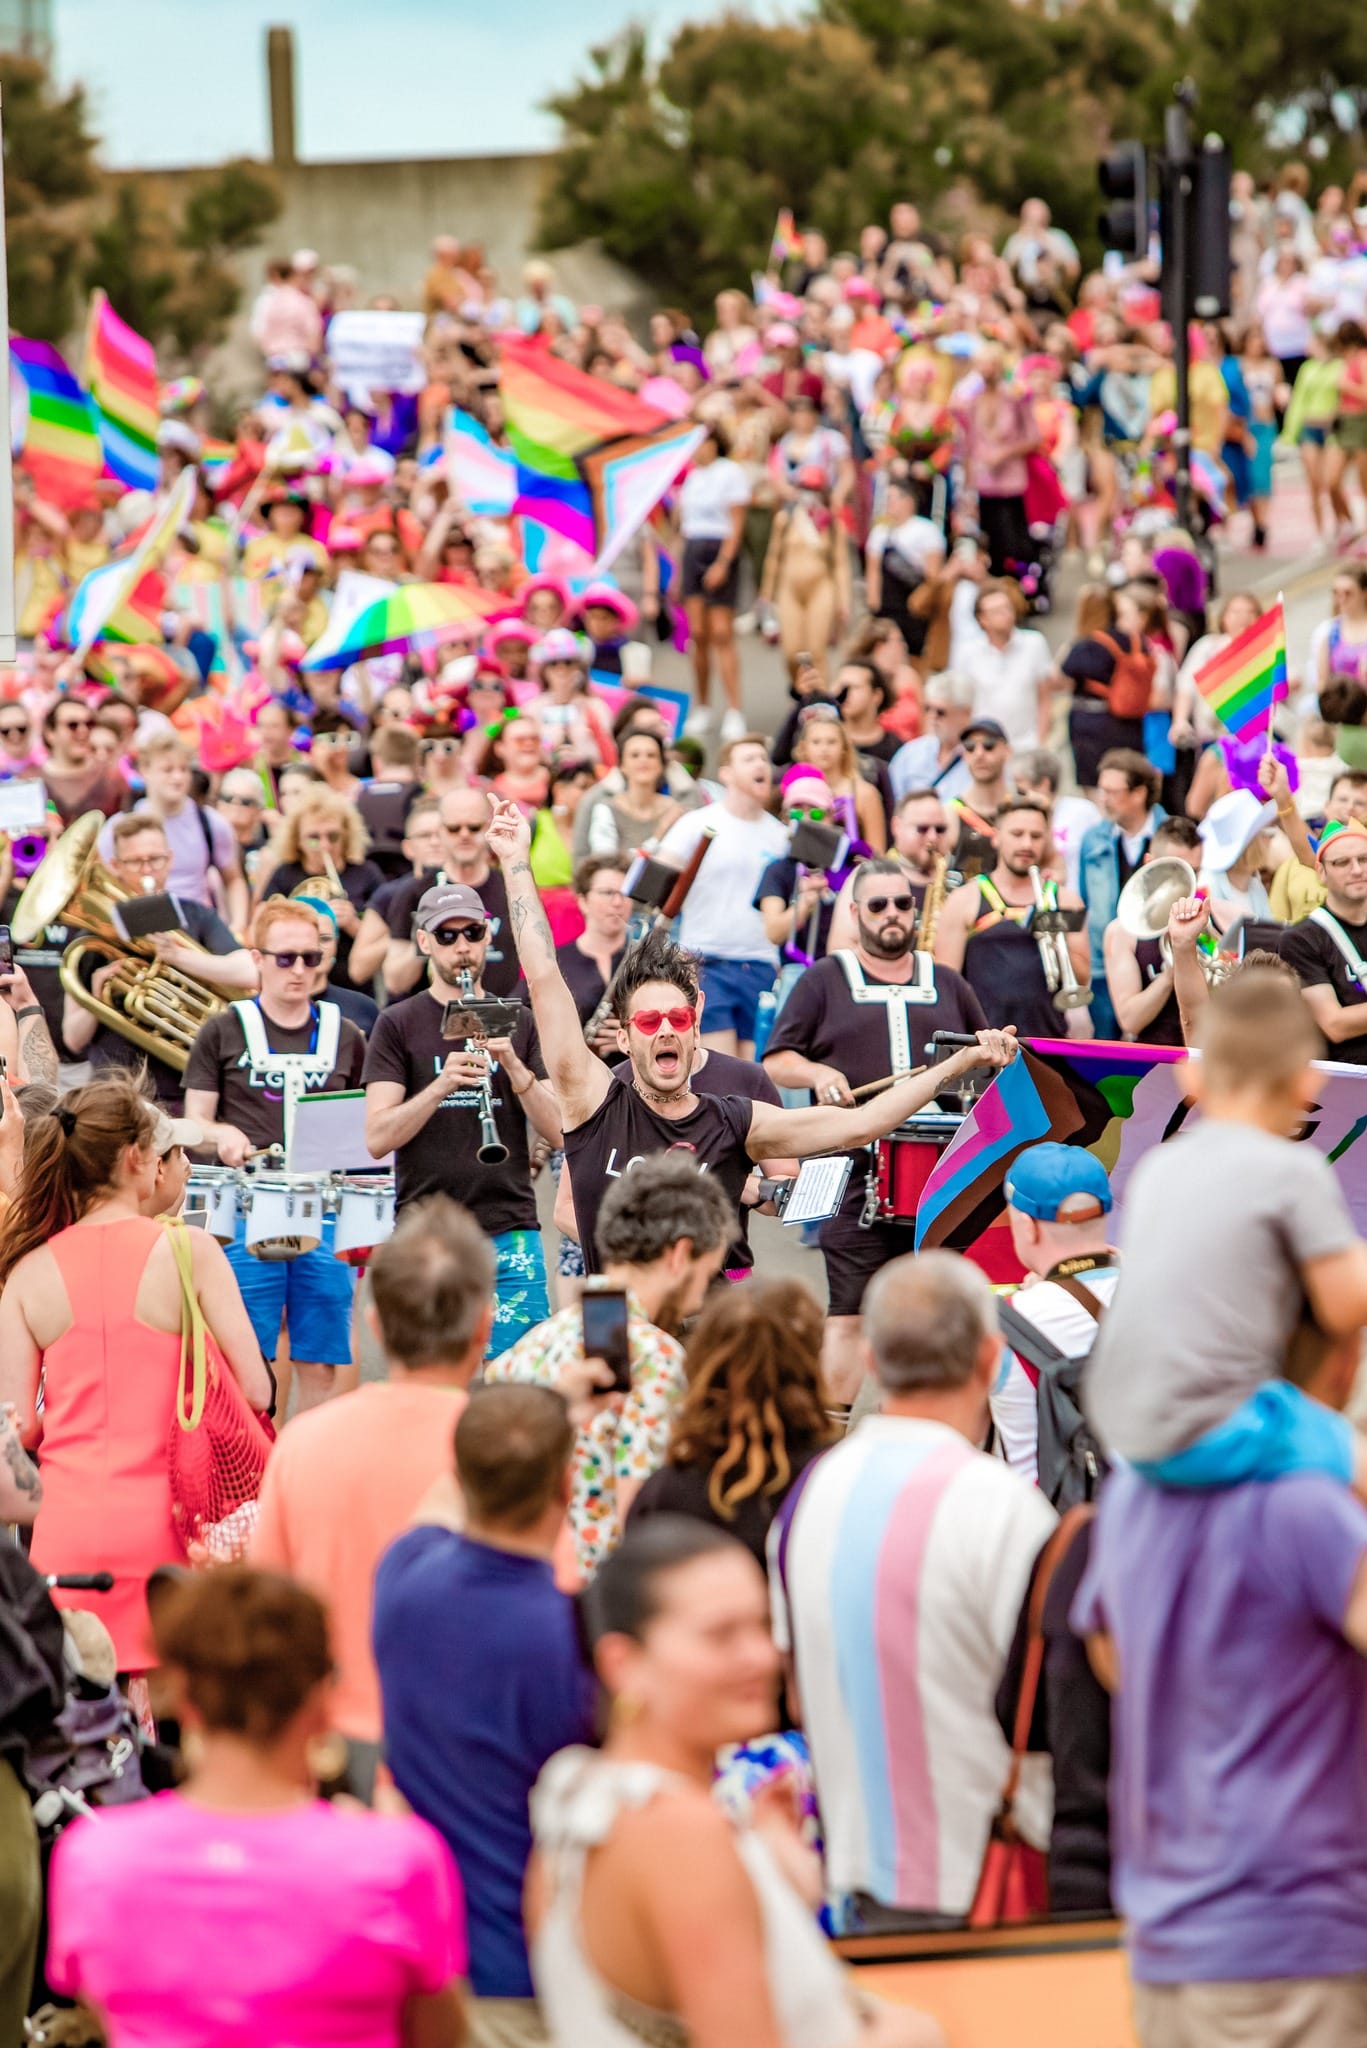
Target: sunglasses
<point x="815" y="814"/>
<point x="322" y="838"/>
<point x="449" y="934"/>
<point x="648" y="1022"/>
<point x="15" y="732"/>
<point x="476" y="829"/>
<point x="937" y="829"/>
<point x="297" y="959"/>
<point x="878" y="904"/>
<point x="252" y="803"/>
<point x="981" y="746"/>
<point x="75" y="725"/>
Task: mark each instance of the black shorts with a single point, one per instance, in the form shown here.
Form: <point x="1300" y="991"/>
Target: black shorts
<point x="699" y="555"/>
<point x="853" y="1256"/>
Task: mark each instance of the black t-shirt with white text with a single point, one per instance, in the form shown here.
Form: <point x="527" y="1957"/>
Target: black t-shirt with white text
<point x="442" y="1158"/>
<point x="624" y="1129"/>
<point x="723" y="1074"/>
<point x="255" y="1104"/>
<point x="501" y="971"/>
<point x="1318" y="963"/>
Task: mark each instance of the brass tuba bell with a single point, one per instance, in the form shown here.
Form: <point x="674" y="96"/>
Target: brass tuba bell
<point x="155" y="1007"/>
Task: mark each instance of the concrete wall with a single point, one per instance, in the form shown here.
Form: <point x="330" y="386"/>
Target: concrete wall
<point x="381" y="219"/>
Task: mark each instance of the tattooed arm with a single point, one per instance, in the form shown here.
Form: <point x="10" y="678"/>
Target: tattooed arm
<point x="578" y="1076"/>
<point x="34" y="1055"/>
<point x="21" y="1489"/>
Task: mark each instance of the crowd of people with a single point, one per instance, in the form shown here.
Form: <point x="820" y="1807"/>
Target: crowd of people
<point x="662" y="1655"/>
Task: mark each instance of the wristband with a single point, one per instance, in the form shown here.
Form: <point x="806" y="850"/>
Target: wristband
<point x="530" y="1082"/>
<point x="30" y="1010"/>
<point x="1286" y="810"/>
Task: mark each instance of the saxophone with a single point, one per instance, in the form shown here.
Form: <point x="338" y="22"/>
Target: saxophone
<point x="932" y="904"/>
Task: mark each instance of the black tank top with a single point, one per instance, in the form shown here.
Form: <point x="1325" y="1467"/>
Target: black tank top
<point x="624" y="1129"/>
<point x="1002" y="966"/>
<point x="1166" y="1027"/>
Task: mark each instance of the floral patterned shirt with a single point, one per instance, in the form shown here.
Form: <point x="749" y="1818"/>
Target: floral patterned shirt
<point x="623" y="1442"/>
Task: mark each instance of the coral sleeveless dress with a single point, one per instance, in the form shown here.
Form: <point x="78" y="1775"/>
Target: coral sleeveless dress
<point x="109" y="1401"/>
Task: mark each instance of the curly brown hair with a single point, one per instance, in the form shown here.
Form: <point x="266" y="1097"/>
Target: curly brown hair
<point x="754" y="1385"/>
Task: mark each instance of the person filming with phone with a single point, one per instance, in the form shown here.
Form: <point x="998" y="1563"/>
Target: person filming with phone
<point x="662" y="1235"/>
<point x="449" y="1106"/>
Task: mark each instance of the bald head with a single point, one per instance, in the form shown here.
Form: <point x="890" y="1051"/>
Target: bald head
<point x="926" y="1322"/>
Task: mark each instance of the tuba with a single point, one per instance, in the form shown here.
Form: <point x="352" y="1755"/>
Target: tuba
<point x="155" y="1007"/>
<point x="1145" y="905"/>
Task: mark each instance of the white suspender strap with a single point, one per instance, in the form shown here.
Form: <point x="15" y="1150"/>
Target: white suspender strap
<point x="1354" y="961"/>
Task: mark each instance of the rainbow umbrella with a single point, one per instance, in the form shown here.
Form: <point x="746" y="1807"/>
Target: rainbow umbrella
<point x="412" y="615"/>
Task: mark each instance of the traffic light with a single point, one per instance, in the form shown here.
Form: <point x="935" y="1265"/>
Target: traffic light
<point x="1124" y="180"/>
<point x="1204" y="293"/>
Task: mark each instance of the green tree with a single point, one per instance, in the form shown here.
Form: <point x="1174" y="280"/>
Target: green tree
<point x="1275" y="76"/>
<point x="50" y="171"/>
<point x="678" y="168"/>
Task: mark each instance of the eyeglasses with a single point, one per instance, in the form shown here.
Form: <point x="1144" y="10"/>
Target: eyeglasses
<point x="142" y="862"/>
<point x="815" y="814"/>
<point x="321" y="838"/>
<point x="451" y="934"/>
<point x="608" y="896"/>
<point x="1341" y="867"/>
<point x="648" y="1022"/>
<point x="286" y="960"/>
<point x="252" y="803"/>
<point x="981" y="746"/>
<point x="878" y="904"/>
<point x="332" y="739"/>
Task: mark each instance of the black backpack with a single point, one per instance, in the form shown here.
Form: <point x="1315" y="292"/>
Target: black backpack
<point x="1071" y="1461"/>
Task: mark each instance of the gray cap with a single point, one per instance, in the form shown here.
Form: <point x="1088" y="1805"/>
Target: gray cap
<point x="448" y="900"/>
<point x="169" y="1131"/>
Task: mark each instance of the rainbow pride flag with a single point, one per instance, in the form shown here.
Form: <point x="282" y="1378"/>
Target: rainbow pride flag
<point x="555" y="412"/>
<point x="1244" y="681"/>
<point x="121" y="376"/>
<point x="58" y="444"/>
<point x="785" y="240"/>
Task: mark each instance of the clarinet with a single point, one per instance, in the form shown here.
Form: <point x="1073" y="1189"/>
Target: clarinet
<point x="492" y="1150"/>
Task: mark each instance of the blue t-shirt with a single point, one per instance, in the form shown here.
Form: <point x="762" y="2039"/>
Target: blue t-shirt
<point x="483" y="1680"/>
<point x="1239" y="1771"/>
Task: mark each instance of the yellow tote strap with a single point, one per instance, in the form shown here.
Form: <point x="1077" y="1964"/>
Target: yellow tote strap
<point x="192" y="1328"/>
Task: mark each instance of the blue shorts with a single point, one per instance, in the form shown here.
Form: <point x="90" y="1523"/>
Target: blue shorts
<point x="1275" y="1432"/>
<point x="733" y="989"/>
<point x="520" y="1300"/>
<point x="313" y="1293"/>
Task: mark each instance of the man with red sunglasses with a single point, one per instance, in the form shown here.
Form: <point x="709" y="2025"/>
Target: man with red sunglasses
<point x="425" y="1095"/>
<point x="614" y="1117"/>
<point x="867" y="1010"/>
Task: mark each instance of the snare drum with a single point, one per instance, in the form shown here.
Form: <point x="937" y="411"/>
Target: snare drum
<point x="284" y="1215"/>
<point x="904" y="1162"/>
<point x="365" y="1215"/>
<point x="211" y="1201"/>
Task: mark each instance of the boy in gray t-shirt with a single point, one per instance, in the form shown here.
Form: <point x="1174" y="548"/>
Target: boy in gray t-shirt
<point x="1232" y="1233"/>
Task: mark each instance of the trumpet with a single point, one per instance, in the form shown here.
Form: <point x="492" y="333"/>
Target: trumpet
<point x="492" y="1150"/>
<point x="1059" y="976"/>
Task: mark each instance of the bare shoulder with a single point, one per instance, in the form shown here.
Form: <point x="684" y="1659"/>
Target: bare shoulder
<point x="679" y="1831"/>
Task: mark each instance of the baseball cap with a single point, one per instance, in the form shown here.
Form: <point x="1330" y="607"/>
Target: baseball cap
<point x="559" y="645"/>
<point x="1058" y="1184"/>
<point x="169" y="1131"/>
<point x="987" y="726"/>
<point x="447" y="900"/>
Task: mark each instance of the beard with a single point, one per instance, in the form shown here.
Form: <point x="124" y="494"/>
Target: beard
<point x="894" y="944"/>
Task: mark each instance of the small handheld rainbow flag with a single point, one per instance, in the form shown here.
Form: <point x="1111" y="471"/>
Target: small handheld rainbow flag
<point x="60" y="448"/>
<point x="121" y="377"/>
<point x="786" y="241"/>
<point x="1244" y="681"/>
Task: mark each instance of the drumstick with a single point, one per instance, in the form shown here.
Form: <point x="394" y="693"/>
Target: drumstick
<point x="888" y="1081"/>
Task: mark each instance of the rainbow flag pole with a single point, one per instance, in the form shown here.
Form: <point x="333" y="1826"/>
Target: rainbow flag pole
<point x="1272" y="707"/>
<point x="1245" y="681"/>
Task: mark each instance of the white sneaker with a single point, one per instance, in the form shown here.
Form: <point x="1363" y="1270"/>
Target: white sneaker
<point x="733" y="725"/>
<point x="699" y="722"/>
<point x="745" y="622"/>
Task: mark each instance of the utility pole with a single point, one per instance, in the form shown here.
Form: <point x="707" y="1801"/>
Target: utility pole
<point x="1178" y="182"/>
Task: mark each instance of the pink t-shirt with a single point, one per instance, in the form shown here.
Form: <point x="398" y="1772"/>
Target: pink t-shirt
<point x="305" y="1928"/>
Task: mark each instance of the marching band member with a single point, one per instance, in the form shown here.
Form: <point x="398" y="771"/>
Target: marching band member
<point x="614" y="1117"/>
<point x="428" y="1099"/>
<point x="140" y="858"/>
<point x="1139" y="972"/>
<point x="985" y="932"/>
<point x="866" y="1011"/>
<point x="464" y="860"/>
<point x="241" y="1064"/>
<point x="924" y="832"/>
<point x="987" y="753"/>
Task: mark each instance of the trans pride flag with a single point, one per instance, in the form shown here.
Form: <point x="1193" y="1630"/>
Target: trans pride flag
<point x="1026" y="1103"/>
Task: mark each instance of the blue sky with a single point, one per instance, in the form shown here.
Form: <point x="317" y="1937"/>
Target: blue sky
<point x="183" y="81"/>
